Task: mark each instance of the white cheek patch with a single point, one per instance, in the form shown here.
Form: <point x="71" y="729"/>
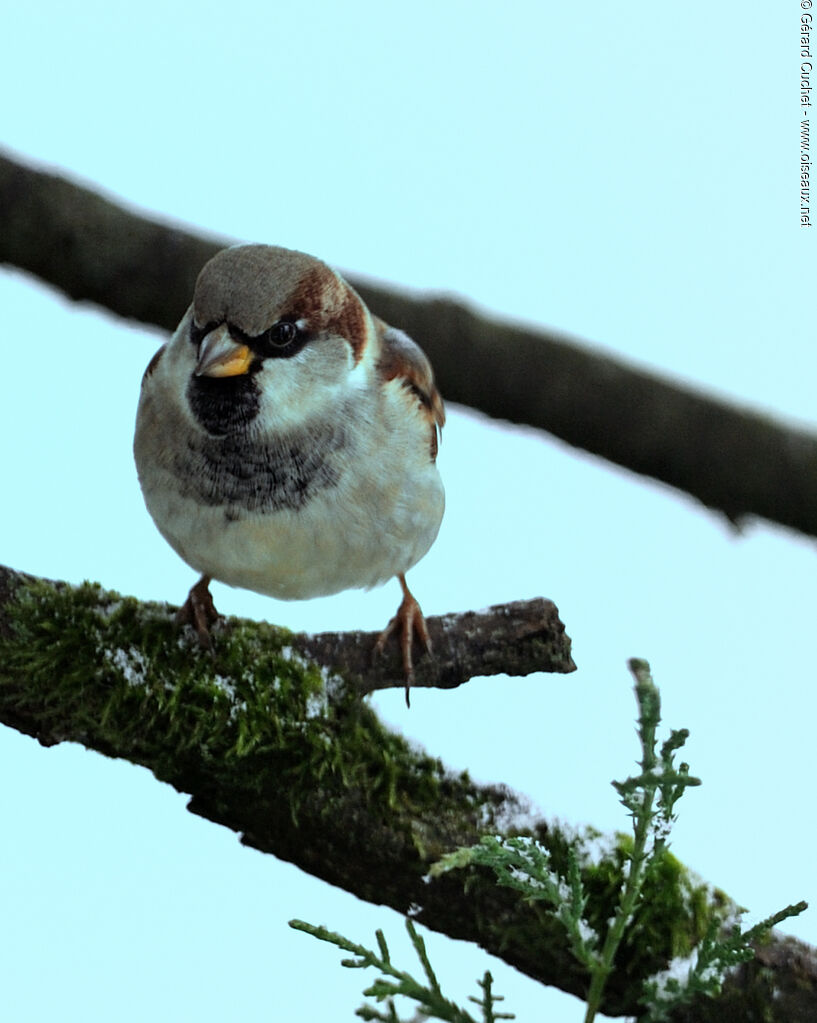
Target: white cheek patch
<point x="280" y="382"/>
<point x="293" y="391"/>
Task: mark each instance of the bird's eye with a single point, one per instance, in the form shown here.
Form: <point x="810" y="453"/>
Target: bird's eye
<point x="282" y="333"/>
<point x="280" y="341"/>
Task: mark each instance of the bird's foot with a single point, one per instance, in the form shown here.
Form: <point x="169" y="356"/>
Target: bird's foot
<point x="408" y="622"/>
<point x="199" y="611"/>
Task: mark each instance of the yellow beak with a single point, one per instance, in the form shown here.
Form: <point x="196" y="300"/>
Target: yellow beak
<point x="220" y="356"/>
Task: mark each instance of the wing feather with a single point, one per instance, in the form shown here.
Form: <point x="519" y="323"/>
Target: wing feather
<point x="402" y="359"/>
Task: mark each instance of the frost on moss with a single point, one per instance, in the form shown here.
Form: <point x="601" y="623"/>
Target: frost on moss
<point x="119" y="676"/>
<point x="115" y="668"/>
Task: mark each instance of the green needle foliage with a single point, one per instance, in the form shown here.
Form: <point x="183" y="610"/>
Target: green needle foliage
<point x="395" y="983"/>
<point x="525" y="865"/>
<point x="703" y="972"/>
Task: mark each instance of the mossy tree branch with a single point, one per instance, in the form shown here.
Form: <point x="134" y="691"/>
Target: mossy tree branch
<point x="731" y="459"/>
<point x="271" y="744"/>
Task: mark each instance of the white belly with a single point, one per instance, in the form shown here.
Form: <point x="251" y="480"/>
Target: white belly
<point x="355" y="535"/>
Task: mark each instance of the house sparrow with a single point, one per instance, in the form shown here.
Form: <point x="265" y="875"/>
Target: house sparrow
<point x="286" y="439"/>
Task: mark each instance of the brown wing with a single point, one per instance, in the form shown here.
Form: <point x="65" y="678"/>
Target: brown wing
<point x="400" y="358"/>
<point x="154" y="362"/>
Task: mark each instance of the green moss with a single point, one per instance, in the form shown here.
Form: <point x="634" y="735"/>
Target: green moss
<point x="115" y="667"/>
<point x="121" y="677"/>
<point x="674" y="911"/>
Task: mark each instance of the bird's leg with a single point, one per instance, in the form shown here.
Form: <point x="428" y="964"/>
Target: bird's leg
<point x="408" y="620"/>
<point x="199" y="611"/>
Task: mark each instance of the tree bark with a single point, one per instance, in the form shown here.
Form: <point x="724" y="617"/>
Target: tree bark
<point x="283" y="750"/>
<point x="732" y="459"/>
<point x="517" y="638"/>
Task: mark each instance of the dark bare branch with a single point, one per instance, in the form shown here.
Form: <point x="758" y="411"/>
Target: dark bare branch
<point x="731" y="459"/>
<point x="95" y="250"/>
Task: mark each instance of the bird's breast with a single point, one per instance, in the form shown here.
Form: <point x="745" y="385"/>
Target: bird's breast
<point x="243" y="473"/>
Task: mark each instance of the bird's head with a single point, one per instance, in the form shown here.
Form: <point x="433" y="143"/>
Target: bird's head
<point x="272" y="337"/>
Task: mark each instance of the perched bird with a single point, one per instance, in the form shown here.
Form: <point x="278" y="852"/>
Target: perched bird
<point x="286" y="439"/>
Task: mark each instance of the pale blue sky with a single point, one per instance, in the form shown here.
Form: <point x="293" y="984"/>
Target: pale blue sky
<point x="630" y="177"/>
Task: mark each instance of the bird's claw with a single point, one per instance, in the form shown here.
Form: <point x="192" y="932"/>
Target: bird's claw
<point x="408" y="621"/>
<point x="200" y="612"/>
